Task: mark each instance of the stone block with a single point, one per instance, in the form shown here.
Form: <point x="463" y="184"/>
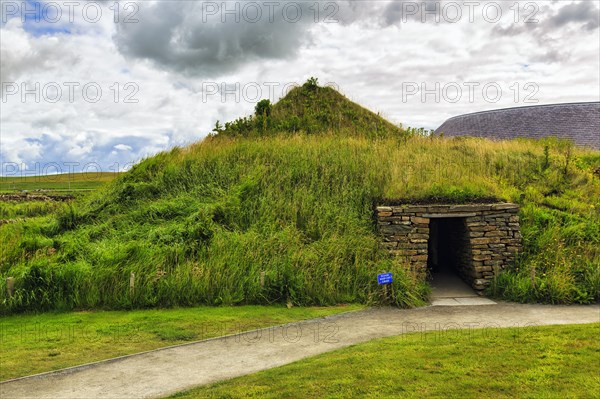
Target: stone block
<point x="476" y="224"/>
<point x="507" y="206"/>
<point x="469" y="208"/>
<point x="419" y="220"/>
<point x="497" y="233"/>
<point x="485" y="240"/>
<point x="388" y="230"/>
<point x="415" y="209"/>
<point x="487" y="227"/>
<point x="389" y="245"/>
<point x="403" y="252"/>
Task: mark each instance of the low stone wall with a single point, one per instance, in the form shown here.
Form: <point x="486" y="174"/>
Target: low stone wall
<point x="488" y="237"/>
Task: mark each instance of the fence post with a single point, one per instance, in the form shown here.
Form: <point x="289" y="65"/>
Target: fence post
<point x="262" y="279"/>
<point x="132" y="283"/>
<point x="10" y="286"/>
<point x="385" y="293"/>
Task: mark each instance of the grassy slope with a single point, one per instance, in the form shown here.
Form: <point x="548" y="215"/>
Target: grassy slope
<point x="311" y="109"/>
<point x="54" y="341"/>
<point x="533" y="362"/>
<point x="199" y="225"/>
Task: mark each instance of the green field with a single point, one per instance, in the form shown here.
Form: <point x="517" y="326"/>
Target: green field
<point x="280" y="210"/>
<point x="31" y="344"/>
<point x="57" y="183"/>
<point x="534" y="362"/>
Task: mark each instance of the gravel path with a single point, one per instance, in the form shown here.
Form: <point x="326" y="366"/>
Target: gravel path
<point x="165" y="371"/>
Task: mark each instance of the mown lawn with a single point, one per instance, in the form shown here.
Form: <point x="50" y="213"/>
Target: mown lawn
<point x="534" y="362"/>
<point x="31" y="344"/>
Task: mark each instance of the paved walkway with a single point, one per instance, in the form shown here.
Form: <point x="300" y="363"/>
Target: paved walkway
<point x="166" y="371"/>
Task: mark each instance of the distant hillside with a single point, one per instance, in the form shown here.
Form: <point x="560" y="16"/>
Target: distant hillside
<point x="278" y="217"/>
<point x="58" y="182"/>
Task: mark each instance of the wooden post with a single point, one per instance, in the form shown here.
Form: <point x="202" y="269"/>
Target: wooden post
<point x="262" y="279"/>
<point x="132" y="283"/>
<point x="385" y="293"/>
<point x="10" y="286"/>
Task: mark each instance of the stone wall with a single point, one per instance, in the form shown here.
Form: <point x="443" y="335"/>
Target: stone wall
<point x="487" y="236"/>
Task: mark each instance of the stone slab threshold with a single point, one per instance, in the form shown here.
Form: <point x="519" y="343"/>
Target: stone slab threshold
<point x="467" y="301"/>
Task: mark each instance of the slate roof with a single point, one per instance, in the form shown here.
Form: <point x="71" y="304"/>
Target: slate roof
<point x="579" y="122"/>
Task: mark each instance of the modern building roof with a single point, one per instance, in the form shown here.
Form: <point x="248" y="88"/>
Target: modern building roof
<point x="579" y="122"/>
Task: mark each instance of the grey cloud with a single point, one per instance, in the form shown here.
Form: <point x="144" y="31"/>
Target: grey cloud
<point x="191" y="37"/>
<point x="405" y="10"/>
<point x="586" y="14"/>
<point x="583" y="15"/>
<point x="185" y="36"/>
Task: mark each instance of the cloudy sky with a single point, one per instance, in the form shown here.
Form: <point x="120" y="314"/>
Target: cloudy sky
<point x="105" y="83"/>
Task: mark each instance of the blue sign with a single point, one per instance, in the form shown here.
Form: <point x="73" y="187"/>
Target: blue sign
<point x="385" y="278"/>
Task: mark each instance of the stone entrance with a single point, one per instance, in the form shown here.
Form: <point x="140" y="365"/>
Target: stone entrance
<point x="476" y="241"/>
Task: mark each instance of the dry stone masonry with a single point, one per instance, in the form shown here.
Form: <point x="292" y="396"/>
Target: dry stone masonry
<point x="481" y="239"/>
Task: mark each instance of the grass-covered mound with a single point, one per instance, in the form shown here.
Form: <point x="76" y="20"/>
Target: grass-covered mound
<point x="207" y="223"/>
<point x="311" y="109"/>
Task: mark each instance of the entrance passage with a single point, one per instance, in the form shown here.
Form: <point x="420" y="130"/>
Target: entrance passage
<point x="473" y="241"/>
<point x="448" y="258"/>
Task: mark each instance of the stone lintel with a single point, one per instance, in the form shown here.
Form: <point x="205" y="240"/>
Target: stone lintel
<point x="448" y="215"/>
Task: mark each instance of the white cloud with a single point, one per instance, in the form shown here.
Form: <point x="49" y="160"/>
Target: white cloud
<point x="122" y="147"/>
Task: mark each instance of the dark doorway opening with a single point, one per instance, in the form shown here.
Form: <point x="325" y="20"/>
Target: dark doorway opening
<point x="449" y="257"/>
<point x="447" y="241"/>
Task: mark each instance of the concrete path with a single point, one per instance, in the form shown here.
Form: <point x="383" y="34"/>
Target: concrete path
<point x="165" y="371"/>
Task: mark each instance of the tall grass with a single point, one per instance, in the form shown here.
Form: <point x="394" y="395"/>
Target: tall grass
<point x="14" y="210"/>
<point x="202" y="224"/>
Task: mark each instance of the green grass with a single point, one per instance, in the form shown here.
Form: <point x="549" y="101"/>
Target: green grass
<point x="311" y="109"/>
<point x="202" y="224"/>
<point x="533" y="362"/>
<point x="59" y="183"/>
<point x="28" y="209"/>
<point x="31" y="344"/>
